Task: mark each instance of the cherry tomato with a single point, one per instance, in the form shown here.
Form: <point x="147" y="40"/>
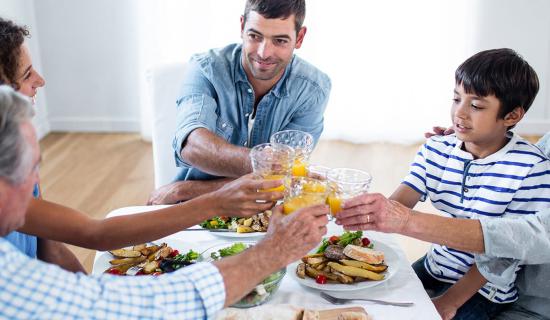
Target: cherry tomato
<point x="140" y="273"/>
<point x="158" y="273"/>
<point x="114" y="271"/>
<point x="174" y="253"/>
<point x="334" y="239"/>
<point x="365" y="241"/>
<point x="321" y="279"/>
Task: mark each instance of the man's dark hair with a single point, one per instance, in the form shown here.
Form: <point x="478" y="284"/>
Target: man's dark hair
<point x="500" y="72"/>
<point x="12" y="37"/>
<point x="278" y="9"/>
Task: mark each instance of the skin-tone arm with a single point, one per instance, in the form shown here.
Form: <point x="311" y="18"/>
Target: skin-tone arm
<point x="406" y="196"/>
<point x="184" y="190"/>
<point x="52" y="221"/>
<point x="57" y="253"/>
<point x="457" y="295"/>
<point x="287" y="240"/>
<point x="390" y="216"/>
<point x="212" y="154"/>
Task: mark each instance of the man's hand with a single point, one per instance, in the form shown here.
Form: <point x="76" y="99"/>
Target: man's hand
<point x="167" y="194"/>
<point x="446" y="309"/>
<point x="290" y="237"/>
<point x="242" y="198"/>
<point x="439" y="131"/>
<point x="373" y="211"/>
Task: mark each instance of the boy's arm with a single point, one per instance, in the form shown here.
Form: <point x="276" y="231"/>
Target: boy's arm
<point x="406" y="195"/>
<point x="457" y="295"/>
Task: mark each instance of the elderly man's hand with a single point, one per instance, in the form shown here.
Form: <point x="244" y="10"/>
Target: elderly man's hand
<point x="290" y="237"/>
<point x="373" y="211"/>
<point x="242" y="198"/>
<point x="439" y="131"/>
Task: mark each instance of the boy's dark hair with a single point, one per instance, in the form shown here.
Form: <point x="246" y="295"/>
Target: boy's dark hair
<point x="273" y="9"/>
<point x="500" y="72"/>
<point x="12" y="37"/>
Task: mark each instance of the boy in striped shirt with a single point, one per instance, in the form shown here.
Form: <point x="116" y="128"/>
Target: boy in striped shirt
<point x="482" y="171"/>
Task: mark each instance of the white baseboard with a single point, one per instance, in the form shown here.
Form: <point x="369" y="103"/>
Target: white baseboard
<point x="533" y="127"/>
<point x="95" y="125"/>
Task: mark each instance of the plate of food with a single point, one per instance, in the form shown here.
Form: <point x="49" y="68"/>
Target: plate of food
<point x="264" y="291"/>
<point x="346" y="263"/>
<point x="145" y="259"/>
<point x="233" y="227"/>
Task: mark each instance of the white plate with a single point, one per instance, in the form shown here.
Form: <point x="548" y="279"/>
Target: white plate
<point x="236" y="235"/>
<point x="102" y="262"/>
<point x="391" y="259"/>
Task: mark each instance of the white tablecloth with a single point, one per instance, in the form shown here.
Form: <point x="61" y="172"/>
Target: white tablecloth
<point x="403" y="286"/>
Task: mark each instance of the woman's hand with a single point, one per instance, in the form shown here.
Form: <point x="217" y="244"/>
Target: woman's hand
<point x="243" y="198"/>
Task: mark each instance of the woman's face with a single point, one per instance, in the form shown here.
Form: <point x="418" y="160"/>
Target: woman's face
<point x="28" y="79"/>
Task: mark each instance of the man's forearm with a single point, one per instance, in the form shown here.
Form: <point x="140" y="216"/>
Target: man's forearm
<point x="212" y="154"/>
<point x="258" y="262"/>
<point x="461" y="234"/>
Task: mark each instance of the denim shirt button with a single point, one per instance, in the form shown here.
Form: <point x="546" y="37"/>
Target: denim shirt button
<point x="249" y="90"/>
<point x="246" y="115"/>
<point x="224" y="125"/>
<point x="245" y="143"/>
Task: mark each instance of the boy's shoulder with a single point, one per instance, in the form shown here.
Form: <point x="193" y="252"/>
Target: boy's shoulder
<point x="442" y="144"/>
<point x="526" y="152"/>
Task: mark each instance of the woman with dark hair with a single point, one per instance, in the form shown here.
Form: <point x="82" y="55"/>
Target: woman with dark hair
<point x="47" y="220"/>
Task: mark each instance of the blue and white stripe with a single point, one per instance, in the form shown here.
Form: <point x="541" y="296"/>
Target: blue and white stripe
<point x="513" y="182"/>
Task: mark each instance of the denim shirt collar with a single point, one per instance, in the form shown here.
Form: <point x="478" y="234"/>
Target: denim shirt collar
<point x="280" y="89"/>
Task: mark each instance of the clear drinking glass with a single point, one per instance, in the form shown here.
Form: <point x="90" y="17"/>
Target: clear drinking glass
<point x="302" y="143"/>
<point x="302" y="192"/>
<point x="345" y="183"/>
<point x="272" y="162"/>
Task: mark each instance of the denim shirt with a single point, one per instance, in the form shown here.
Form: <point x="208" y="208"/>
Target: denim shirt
<point x="27" y="244"/>
<point x="520" y="241"/>
<point x="217" y="95"/>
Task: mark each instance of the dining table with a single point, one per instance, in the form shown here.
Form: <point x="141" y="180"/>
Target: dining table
<point x="402" y="286"/>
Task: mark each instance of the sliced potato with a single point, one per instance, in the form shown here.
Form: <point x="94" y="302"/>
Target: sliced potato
<point x="313" y="273"/>
<point x="133" y="261"/>
<point x="150" y="267"/>
<point x="356" y="272"/>
<point x="139" y="247"/>
<point x="155" y="252"/>
<point x="301" y="270"/>
<point x="314" y="261"/>
<point x="313" y="255"/>
<point x="125" y="253"/>
<point x="363" y="265"/>
<point x="342" y="278"/>
<point x="247" y="222"/>
<point x="244" y="229"/>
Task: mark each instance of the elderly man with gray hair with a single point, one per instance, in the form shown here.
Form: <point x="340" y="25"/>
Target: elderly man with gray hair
<point x="34" y="289"/>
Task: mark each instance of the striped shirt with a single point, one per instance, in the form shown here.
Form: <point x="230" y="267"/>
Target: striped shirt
<point x="31" y="289"/>
<point x="513" y="182"/>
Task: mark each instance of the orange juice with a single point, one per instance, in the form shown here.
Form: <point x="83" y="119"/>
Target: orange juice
<point x="335" y="204"/>
<point x="302" y="201"/>
<point x="272" y="177"/>
<point x="314" y="187"/>
<point x="299" y="168"/>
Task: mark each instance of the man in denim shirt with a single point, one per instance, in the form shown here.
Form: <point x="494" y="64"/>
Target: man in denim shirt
<point x="500" y="245"/>
<point x="236" y="97"/>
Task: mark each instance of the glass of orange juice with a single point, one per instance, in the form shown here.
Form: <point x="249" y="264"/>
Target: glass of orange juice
<point x="345" y="183"/>
<point x="302" y="143"/>
<point x="272" y="162"/>
<point x="302" y="192"/>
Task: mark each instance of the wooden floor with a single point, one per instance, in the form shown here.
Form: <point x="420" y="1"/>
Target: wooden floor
<point x="97" y="173"/>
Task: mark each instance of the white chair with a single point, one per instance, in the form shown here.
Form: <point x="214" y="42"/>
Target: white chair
<point x="165" y="84"/>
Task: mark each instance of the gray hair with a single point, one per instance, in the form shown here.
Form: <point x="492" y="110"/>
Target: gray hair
<point x="15" y="152"/>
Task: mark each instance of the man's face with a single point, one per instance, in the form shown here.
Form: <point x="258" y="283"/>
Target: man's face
<point x="268" y="45"/>
<point x="14" y="199"/>
<point x="28" y="79"/>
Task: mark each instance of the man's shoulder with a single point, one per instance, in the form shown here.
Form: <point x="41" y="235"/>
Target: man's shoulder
<point x="218" y="59"/>
<point x="304" y="71"/>
<point x="525" y="152"/>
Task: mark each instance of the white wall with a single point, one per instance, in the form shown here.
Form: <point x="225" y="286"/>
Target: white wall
<point x="22" y="12"/>
<point x="90" y="57"/>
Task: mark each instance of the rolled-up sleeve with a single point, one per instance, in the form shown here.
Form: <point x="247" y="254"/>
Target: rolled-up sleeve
<point x="511" y="242"/>
<point x="196" y="108"/>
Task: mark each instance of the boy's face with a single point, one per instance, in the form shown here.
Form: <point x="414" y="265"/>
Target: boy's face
<point x="477" y="123"/>
<point x="268" y="45"/>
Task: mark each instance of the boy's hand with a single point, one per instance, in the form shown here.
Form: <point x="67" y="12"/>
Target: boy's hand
<point x="439" y="131"/>
<point x="446" y="309"/>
